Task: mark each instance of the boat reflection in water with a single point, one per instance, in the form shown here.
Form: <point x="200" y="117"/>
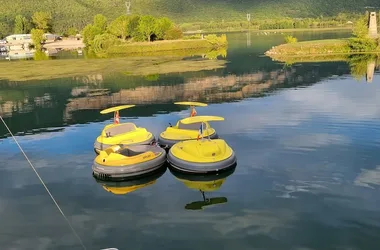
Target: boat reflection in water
<point x="204" y="183"/>
<point x="131" y="185"/>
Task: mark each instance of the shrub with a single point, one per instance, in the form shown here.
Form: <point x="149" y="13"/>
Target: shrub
<point x="290" y="39"/>
<point x="173" y="34"/>
<point x="37" y="37"/>
<point x="361" y="44"/>
<point x="102" y="42"/>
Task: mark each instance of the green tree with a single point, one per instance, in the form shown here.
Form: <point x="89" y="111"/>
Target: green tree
<point x="71" y="31"/>
<point x="100" y="22"/>
<point x="360" y="29"/>
<point x="147" y="27"/>
<point x="42" y="20"/>
<point x="119" y="27"/>
<point x="21" y="25"/>
<point x="173" y="34"/>
<point x="133" y="25"/>
<point x="89" y="33"/>
<point x="162" y="26"/>
<point x="4" y="29"/>
<point x="37" y="37"/>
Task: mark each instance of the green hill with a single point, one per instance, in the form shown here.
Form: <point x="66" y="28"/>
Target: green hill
<point x="77" y="13"/>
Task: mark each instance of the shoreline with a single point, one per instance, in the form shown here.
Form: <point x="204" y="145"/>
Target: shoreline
<point x="266" y="30"/>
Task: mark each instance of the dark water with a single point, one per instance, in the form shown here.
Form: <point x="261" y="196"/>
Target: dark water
<point x="306" y="137"/>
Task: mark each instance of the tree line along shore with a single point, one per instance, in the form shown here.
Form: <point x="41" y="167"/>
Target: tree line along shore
<point x="126" y="34"/>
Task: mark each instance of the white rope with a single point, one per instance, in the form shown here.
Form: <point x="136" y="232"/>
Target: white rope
<point x="47" y="190"/>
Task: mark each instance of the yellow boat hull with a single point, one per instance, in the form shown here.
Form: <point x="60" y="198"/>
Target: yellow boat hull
<point x="203" y="156"/>
<point x="121" y="162"/>
<point x="122" y="134"/>
<point x="183" y="132"/>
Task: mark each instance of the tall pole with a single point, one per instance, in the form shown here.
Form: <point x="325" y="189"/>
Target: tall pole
<point x="249" y="20"/>
<point x="128" y="5"/>
<point x="248" y="32"/>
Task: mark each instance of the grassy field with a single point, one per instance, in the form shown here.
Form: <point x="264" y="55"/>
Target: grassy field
<point x="172" y="47"/>
<point x="311" y="48"/>
<point x="53" y="69"/>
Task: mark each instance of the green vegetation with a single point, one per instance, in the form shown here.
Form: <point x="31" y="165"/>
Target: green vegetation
<point x="22" y="25"/>
<point x="42" y="20"/>
<point x="193" y="15"/>
<point x="310" y="48"/>
<point x="361" y="42"/>
<point x="210" y="44"/>
<point x="37" y="37"/>
<point x="290" y="39"/>
<point x="132" y="28"/>
<point x="144" y="35"/>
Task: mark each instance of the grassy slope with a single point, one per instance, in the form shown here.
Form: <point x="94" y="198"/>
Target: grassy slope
<point x="80" y="12"/>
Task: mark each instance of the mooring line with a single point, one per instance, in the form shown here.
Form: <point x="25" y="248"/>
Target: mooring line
<point x="46" y="188"/>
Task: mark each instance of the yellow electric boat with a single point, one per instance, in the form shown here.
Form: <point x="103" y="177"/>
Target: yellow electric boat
<point x="204" y="183"/>
<point x="182" y="131"/>
<point x="204" y="155"/>
<point x="121" y="133"/>
<point x="125" y="187"/>
<point x="122" y="161"/>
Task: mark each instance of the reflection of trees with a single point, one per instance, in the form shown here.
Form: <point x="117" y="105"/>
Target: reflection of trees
<point x="362" y="65"/>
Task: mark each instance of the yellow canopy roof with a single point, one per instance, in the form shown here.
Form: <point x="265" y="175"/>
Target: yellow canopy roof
<point x="200" y="104"/>
<point x="114" y="109"/>
<point x="196" y="119"/>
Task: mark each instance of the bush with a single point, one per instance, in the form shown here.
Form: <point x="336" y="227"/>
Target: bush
<point x="37" y="37"/>
<point x="102" y="42"/>
<point x="290" y="39"/>
<point x="362" y="44"/>
<point x="173" y="34"/>
<point x="71" y="32"/>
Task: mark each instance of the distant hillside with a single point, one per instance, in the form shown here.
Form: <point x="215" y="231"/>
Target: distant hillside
<point x="79" y="12"/>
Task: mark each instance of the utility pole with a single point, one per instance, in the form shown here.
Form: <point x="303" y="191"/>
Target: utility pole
<point x="128" y="5"/>
<point x="249" y="20"/>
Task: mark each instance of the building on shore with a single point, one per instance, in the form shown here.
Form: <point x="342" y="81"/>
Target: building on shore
<point x="18" y="39"/>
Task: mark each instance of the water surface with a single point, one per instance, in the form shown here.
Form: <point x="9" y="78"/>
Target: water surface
<point x="306" y="137"/>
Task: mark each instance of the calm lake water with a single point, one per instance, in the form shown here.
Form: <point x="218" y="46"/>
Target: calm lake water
<point x="306" y="136"/>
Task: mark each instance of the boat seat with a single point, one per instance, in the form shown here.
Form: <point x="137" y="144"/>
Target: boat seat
<point x="121" y="129"/>
<point x="129" y="153"/>
<point x="192" y="126"/>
